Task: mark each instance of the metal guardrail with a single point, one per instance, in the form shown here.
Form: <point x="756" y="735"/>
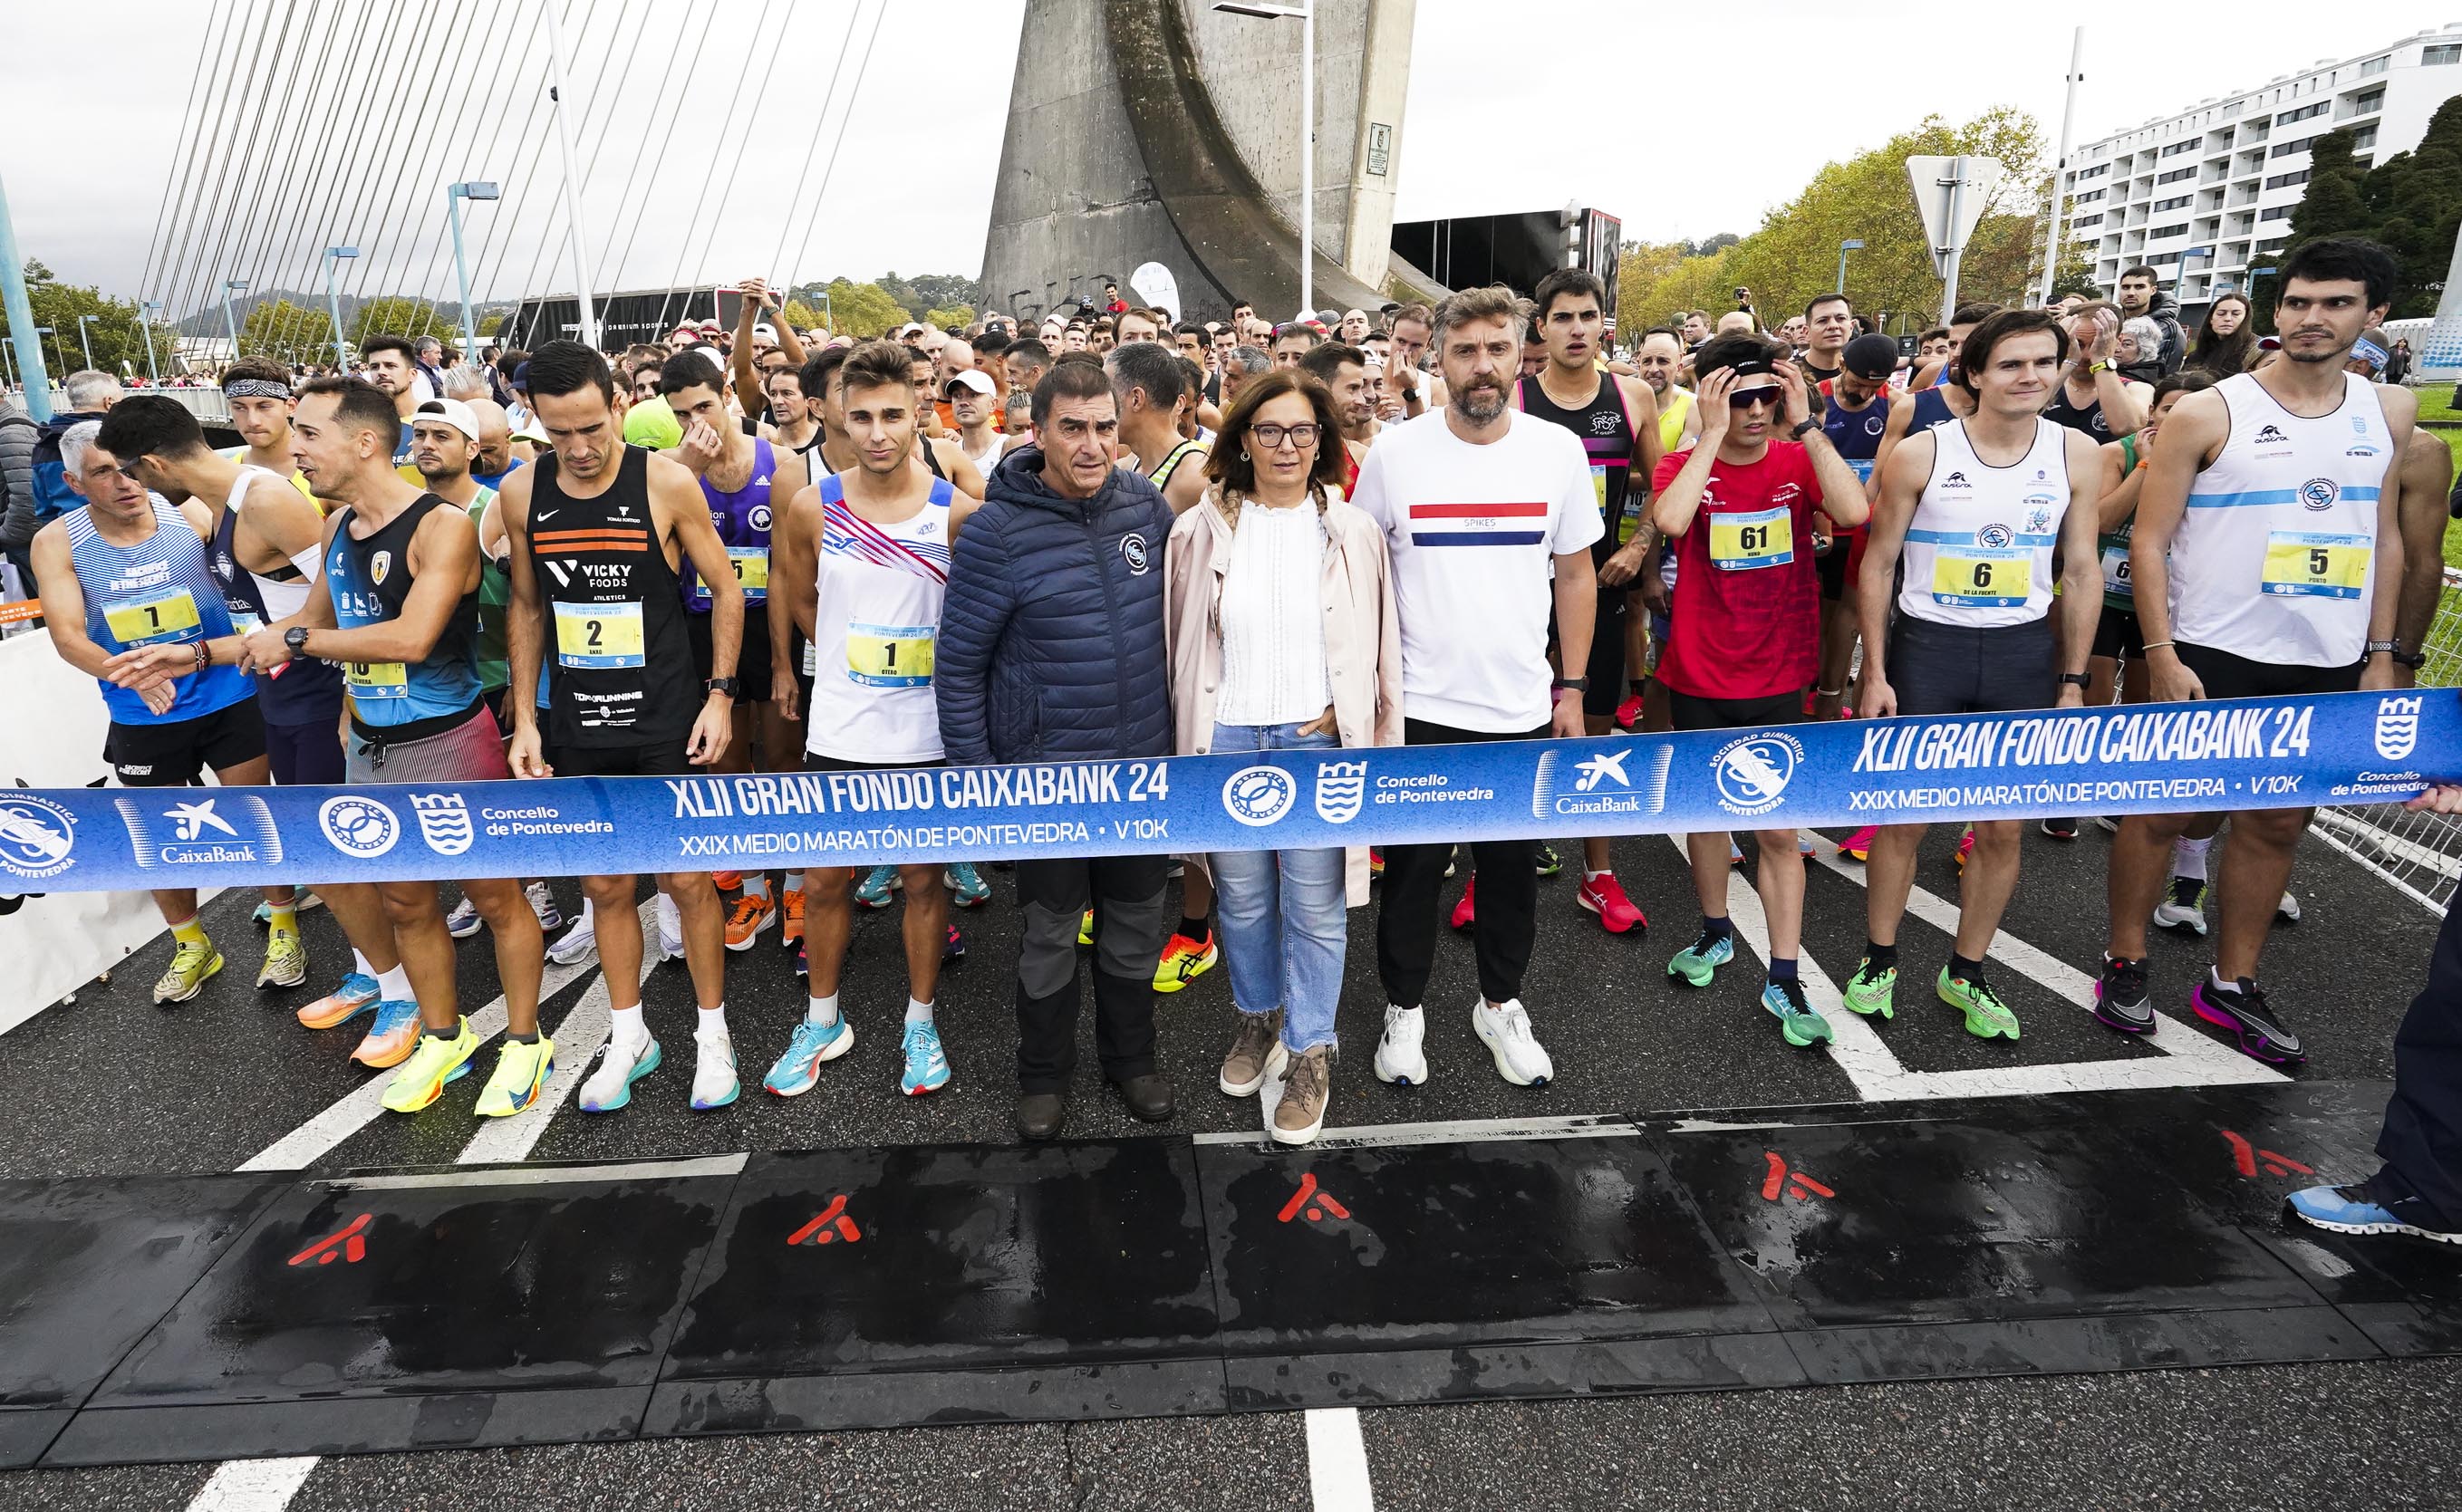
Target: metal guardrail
<point x="2420" y="855"/>
<point x="208" y="404"/>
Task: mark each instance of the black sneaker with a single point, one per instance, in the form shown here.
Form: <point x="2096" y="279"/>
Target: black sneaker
<point x="2119" y="998"/>
<point x="1550" y="862"/>
<point x="2242" y="1009"/>
<point x="2061" y="829"/>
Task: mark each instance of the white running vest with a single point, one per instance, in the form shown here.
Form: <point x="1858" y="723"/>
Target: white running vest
<point x="1979" y="551"/>
<point x="880" y="590"/>
<point x="2274" y="560"/>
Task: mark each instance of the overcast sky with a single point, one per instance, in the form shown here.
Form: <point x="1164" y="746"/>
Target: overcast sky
<point x="1631" y="106"/>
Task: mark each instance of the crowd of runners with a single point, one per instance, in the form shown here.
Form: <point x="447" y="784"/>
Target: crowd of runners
<point x="1112" y="534"/>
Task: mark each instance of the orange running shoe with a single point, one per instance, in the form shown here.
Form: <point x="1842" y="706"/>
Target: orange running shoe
<point x="790" y="928"/>
<point x="751" y="914"/>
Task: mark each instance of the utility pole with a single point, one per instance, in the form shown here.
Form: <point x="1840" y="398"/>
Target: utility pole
<point x="2061" y="167"/>
<point x="580" y="236"/>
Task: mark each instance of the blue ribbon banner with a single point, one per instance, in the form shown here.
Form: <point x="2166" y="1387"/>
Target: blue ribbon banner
<point x="2165" y="758"/>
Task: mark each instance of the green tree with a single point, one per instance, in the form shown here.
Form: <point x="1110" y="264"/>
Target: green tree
<point x="490" y="325"/>
<point x="2332" y="205"/>
<point x="395" y="315"/>
<point x="954" y="319"/>
<point x="802" y="316"/>
<point x="864" y="309"/>
<point x="112" y="331"/>
<point x="2413" y="203"/>
<point x="277" y="328"/>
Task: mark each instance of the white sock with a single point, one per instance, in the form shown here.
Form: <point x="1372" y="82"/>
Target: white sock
<point x="917" y="1012"/>
<point x="2214" y="975"/>
<point x="629" y="1029"/>
<point x="756" y="884"/>
<point x="794" y="881"/>
<point x="821" y="1010"/>
<point x="393" y="986"/>
<point x="360" y="962"/>
<point x="581" y="921"/>
<point x="1588" y="875"/>
<point x="2188" y="857"/>
<point x="713" y="1020"/>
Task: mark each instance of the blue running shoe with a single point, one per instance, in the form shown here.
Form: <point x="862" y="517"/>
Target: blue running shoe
<point x="968" y="888"/>
<point x="1699" y="962"/>
<point x="874" y="891"/>
<point x="2355" y="1210"/>
<point x="1796" y="1019"/>
<point x="799" y="1070"/>
<point x="927" y="1068"/>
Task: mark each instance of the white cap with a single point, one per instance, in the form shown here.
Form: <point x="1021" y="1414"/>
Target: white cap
<point x="451" y="411"/>
<point x="764" y="333"/>
<point x="971" y="377"/>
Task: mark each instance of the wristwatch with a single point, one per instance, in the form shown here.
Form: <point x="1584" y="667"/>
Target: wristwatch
<point x="2392" y="648"/>
<point x="297" y="639"/>
<point x="2104" y="366"/>
<point x="725" y="685"/>
<point x="1810" y="422"/>
<point x="2413" y="660"/>
<point x="2080" y="679"/>
<point x="1573" y="684"/>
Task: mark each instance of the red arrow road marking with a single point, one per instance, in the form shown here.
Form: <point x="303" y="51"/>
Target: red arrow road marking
<point x="1315" y="1199"/>
<point x="833" y="1224"/>
<point x="346" y="1244"/>
<point x="1776" y="1179"/>
<point x="2243" y="1153"/>
<point x="1299" y="1198"/>
<point x="1803" y="1180"/>
<point x="2274" y="1164"/>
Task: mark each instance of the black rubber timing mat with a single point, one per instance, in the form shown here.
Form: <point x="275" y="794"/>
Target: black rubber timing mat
<point x="212" y="1317"/>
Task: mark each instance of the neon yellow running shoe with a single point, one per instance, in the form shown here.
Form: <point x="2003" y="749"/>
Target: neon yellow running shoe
<point x="1086" y="930"/>
<point x="521" y="1075"/>
<point x="1184" y="960"/>
<point x="433" y="1062"/>
<point x="191" y="966"/>
<point x="286" y="961"/>
<point x="1870" y="991"/>
<point x="1986" y="1015"/>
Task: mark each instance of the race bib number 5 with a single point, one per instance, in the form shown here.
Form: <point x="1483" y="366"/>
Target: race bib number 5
<point x="751" y="564"/>
<point x="890" y="656"/>
<point x="170" y="616"/>
<point x="2303" y="563"/>
<point x="1982" y="576"/>
<point x="598" y="637"/>
<point x="1752" y="539"/>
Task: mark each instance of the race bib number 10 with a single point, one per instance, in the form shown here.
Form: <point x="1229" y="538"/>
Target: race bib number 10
<point x="890" y="656"/>
<point x="376" y="679"/>
<point x="2303" y="563"/>
<point x="1755" y="538"/>
<point x="598" y="637"/>
<point x="170" y="616"/>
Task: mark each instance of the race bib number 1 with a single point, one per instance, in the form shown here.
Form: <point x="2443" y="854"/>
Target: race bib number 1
<point x="598" y="637"/>
<point x="1756" y="538"/>
<point x="171" y="617"/>
<point x="890" y="656"/>
<point x="2303" y="563"/>
<point x="1982" y="576"/>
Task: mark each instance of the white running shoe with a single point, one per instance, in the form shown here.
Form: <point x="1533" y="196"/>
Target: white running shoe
<point x="1505" y="1030"/>
<point x="671" y="930"/>
<point x="2288" y="910"/>
<point x="463" y="922"/>
<point x="610" y="1083"/>
<point x="543" y="903"/>
<point x="578" y="943"/>
<point x="1401" y="1054"/>
<point x="2183" y="907"/>
<point x="714" y="1084"/>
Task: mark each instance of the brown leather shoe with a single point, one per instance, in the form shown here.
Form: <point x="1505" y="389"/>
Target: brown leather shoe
<point x="1148" y="1096"/>
<point x="1041" y="1116"/>
<point x="1255" y="1051"/>
<point x="1307" y="1086"/>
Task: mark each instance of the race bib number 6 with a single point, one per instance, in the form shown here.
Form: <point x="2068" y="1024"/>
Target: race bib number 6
<point x="890" y="656"/>
<point x="1982" y="576"/>
<point x="171" y="617"/>
<point x="1752" y="539"/>
<point x="2115" y="571"/>
<point x="598" y="637"/>
<point x="2307" y="564"/>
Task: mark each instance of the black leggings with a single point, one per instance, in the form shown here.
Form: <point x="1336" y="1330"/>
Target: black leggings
<point x="1414" y="875"/>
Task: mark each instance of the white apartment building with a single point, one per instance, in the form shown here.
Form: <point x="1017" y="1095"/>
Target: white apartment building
<point x="2205" y="196"/>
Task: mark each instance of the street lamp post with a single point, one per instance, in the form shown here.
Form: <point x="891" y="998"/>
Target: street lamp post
<point x="153" y="306"/>
<point x="1304" y="13"/>
<point x="85" y="343"/>
<point x="1850" y="245"/>
<point x="334" y="303"/>
<point x="231" y="287"/>
<point x="454" y="195"/>
<point x="62" y="352"/>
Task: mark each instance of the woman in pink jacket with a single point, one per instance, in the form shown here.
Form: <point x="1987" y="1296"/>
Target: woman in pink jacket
<point x="1279" y="618"/>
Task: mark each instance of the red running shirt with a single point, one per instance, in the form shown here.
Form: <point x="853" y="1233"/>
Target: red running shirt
<point x="1745" y="618"/>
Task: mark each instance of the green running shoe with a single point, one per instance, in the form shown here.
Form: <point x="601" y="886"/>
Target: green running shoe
<point x="1549" y="863"/>
<point x="1796" y="1018"/>
<point x="1699" y="962"/>
<point x="1986" y="1015"/>
<point x="1870" y="991"/>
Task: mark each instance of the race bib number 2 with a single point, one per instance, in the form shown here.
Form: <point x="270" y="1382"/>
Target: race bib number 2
<point x="170" y="616"/>
<point x="598" y="637"/>
<point x="1752" y="539"/>
<point x="2303" y="563"/>
<point x="890" y="656"/>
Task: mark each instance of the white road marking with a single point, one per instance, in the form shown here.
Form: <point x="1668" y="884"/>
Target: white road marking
<point x="541" y="1174"/>
<point x="576" y="1040"/>
<point x="1337" y="1462"/>
<point x="254" y="1485"/>
<point x="1460" y="1131"/>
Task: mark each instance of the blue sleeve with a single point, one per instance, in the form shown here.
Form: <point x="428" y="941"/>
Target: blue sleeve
<point x="980" y="599"/>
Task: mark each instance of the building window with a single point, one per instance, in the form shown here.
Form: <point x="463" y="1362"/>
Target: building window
<point x="2161" y="231"/>
<point x="2084" y="222"/>
<point x="2440" y="53"/>
<point x="2303" y="113"/>
<point x="2279" y="212"/>
<point x="2178" y="147"/>
<point x="2175" y="175"/>
<point x="2374" y="65"/>
<point x="2175" y="202"/>
<point x="2090" y="197"/>
<point x="2284" y="149"/>
<point x="2365" y="137"/>
<point x="2371" y="100"/>
<point x="2095" y="172"/>
<point x="2284" y="180"/>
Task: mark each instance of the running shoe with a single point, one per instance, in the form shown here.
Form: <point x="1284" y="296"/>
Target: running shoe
<point x="927" y="1068"/>
<point x="1700" y="961"/>
<point x="966" y="886"/>
<point x="803" y="960"/>
<point x="543" y="903"/>
<point x="1453" y="856"/>
<point x="953" y="948"/>
<point x="874" y="891"/>
<point x="1869" y="992"/>
<point x="1627" y="713"/>
<point x="1375" y="863"/>
<point x="1858" y="847"/>
<point x="1086" y="930"/>
<point x="579" y="942"/>
<point x="356" y="995"/>
<point x="671" y="930"/>
<point x="1466" y="912"/>
<point x="285" y="961"/>
<point x="2360" y="1210"/>
<point x="2120" y="996"/>
<point x="1796" y="1018"/>
<point x="191" y="967"/>
<point x="799" y="1069"/>
<point x="1802" y="844"/>
<point x="2243" y="1011"/>
<point x="302" y="900"/>
<point x="1735" y="852"/>
<point x="714" y="1084"/>
<point x="1184" y="960"/>
<point x="2106" y="824"/>
<point x="1604" y="895"/>
<point x="2061" y="829"/>
<point x="2183" y="908"/>
<point x="1549" y="863"/>
<point x="2287" y="912"/>
<point x="521" y="1075"/>
<point x="1986" y="1015"/>
<point x="463" y="922"/>
<point x="1401" y="1052"/>
<point x="436" y="1059"/>
<point x="1965" y="849"/>
<point x="613" y="1070"/>
<point x="726" y="881"/>
<point x="752" y="913"/>
<point x="1505" y="1030"/>
<point x="790" y="916"/>
<point x="390" y="1038"/>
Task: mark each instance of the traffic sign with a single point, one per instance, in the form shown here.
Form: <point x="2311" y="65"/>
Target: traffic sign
<point x="1949" y="195"/>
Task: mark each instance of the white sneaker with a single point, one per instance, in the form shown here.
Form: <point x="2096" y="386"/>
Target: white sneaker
<point x="543" y="903"/>
<point x="610" y="1083"/>
<point x="578" y="943"/>
<point x="1401" y="1055"/>
<point x="671" y="930"/>
<point x="714" y="1084"/>
<point x="2183" y="907"/>
<point x="1505" y="1030"/>
<point x="2288" y="910"/>
<point x="463" y="922"/>
<point x="2107" y="823"/>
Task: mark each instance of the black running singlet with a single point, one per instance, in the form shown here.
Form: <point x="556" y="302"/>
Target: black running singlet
<point x="2085" y="419"/>
<point x="1607" y="436"/>
<point x="620" y="663"/>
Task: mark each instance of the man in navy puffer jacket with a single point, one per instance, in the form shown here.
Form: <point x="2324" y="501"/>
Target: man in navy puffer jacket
<point x="1050" y="649"/>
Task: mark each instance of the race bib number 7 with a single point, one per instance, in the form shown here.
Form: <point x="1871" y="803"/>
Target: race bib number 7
<point x="890" y="656"/>
<point x="598" y="637"/>
<point x="2306" y="564"/>
<point x="170" y="616"/>
<point x="1752" y="539"/>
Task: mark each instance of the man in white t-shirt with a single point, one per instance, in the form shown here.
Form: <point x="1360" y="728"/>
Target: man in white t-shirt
<point x="1489" y="516"/>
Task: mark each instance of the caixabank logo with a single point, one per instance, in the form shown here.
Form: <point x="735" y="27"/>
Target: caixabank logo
<point x="176" y="827"/>
<point x="1615" y="777"/>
